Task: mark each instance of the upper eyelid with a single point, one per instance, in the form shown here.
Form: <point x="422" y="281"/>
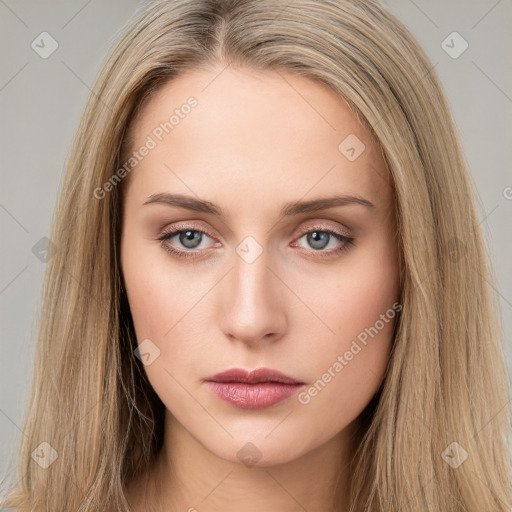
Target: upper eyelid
<point x="175" y="229"/>
<point x="311" y="225"/>
<point x="320" y="227"/>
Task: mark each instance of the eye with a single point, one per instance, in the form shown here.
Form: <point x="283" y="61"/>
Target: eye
<point x="188" y="241"/>
<point x="321" y="238"/>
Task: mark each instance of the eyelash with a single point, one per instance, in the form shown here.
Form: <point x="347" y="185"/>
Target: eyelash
<point x="167" y="235"/>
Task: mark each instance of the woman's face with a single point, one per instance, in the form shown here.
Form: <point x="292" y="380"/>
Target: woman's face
<point x="259" y="232"/>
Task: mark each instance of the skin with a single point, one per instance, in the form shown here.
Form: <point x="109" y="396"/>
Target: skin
<point x="254" y="142"/>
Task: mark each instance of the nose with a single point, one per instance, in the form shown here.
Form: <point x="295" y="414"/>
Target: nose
<point x="253" y="302"/>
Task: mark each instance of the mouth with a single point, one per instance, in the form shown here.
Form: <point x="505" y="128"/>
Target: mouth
<point x="254" y="389"/>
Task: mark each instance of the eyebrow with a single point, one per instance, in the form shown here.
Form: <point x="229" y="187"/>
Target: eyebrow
<point x="289" y="209"/>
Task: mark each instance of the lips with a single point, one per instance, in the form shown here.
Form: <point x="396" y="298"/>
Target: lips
<point x="252" y="377"/>
<point x="254" y="389"/>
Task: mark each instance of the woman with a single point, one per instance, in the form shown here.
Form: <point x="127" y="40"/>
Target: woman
<point x="264" y="295"/>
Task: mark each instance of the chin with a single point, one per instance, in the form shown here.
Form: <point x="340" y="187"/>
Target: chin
<point x="258" y="452"/>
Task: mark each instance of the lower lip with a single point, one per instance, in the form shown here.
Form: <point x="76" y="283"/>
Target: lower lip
<point x="252" y="396"/>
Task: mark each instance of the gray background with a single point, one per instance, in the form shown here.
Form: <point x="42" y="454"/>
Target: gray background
<point x="41" y="101"/>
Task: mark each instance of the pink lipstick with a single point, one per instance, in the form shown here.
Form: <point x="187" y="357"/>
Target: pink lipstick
<point x="254" y="389"/>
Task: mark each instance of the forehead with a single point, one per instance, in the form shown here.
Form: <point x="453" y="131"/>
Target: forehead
<point x="252" y="135"/>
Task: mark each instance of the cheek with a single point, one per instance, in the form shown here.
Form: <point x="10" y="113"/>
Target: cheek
<point x="352" y="298"/>
<point x="152" y="294"/>
<point x="165" y="301"/>
<point x="361" y="307"/>
<point x="146" y="294"/>
<point x="156" y="305"/>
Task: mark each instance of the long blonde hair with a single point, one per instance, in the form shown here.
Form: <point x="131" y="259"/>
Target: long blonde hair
<point x="444" y="397"/>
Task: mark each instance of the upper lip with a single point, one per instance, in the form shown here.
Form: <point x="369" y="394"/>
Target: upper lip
<point x="258" y="375"/>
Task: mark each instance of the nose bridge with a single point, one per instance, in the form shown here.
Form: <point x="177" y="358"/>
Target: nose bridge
<point x="252" y="307"/>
